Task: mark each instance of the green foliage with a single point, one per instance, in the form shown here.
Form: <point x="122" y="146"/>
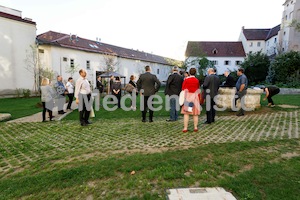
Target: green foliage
<point x="26" y="93"/>
<point x="256" y="67"/>
<point x="204" y="64"/>
<point x="287" y="69"/>
<point x="295" y="24"/>
<point x="19" y="92"/>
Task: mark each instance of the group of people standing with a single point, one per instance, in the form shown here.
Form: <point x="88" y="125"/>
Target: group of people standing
<point x="186" y="85"/>
<point x="56" y="93"/>
<point x="190" y="87"/>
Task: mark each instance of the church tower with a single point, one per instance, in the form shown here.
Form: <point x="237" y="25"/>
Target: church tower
<point x="289" y="38"/>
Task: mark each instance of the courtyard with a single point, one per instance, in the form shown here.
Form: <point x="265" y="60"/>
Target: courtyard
<point x="119" y="157"/>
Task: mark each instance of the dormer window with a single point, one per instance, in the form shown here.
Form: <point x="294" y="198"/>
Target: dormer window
<point x="215" y="51"/>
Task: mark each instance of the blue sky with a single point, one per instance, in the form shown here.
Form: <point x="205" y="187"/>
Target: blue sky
<point x="162" y="27"/>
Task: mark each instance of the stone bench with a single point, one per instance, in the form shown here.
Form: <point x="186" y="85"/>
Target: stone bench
<point x="226" y="97"/>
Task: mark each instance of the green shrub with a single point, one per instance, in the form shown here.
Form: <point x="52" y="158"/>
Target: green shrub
<point x="26" y="93"/>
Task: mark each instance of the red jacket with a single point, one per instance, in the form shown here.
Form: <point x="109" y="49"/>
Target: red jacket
<point x="191" y="83"/>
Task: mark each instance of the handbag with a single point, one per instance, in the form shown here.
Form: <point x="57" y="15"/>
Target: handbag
<point x="129" y="87"/>
<point x="181" y="98"/>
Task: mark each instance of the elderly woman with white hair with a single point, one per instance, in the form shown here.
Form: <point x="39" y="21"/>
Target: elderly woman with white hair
<point x="47" y="98"/>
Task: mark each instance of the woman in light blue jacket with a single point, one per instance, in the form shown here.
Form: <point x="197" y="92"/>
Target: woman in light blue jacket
<point x="47" y="97"/>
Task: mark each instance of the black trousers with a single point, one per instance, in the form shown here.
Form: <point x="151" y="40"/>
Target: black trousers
<point x="84" y="114"/>
<point x="70" y="96"/>
<point x="271" y="94"/>
<point x="146" y="107"/>
<point x="210" y="112"/>
<point x="44" y="111"/>
<point x="118" y="98"/>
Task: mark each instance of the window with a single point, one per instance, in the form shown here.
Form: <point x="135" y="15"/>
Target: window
<point x="41" y="50"/>
<point x="88" y="64"/>
<point x="286" y="17"/>
<point x="226" y="62"/>
<point x="268" y="43"/>
<point x="65" y="59"/>
<point x="215" y="51"/>
<point x="251" y="44"/>
<point x="238" y="62"/>
<point x="284" y="33"/>
<point x="157" y="71"/>
<point x="72" y="63"/>
<point x="258" y="44"/>
<point x="275" y="40"/>
<point x="214" y="62"/>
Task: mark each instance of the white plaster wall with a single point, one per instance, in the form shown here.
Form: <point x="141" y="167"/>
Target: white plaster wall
<point x="220" y="66"/>
<point x="53" y="58"/>
<point x="15" y="38"/>
<point x="272" y="45"/>
<point x="255" y="48"/>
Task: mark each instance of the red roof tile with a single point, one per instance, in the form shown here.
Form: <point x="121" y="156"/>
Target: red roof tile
<point x="261" y="34"/>
<point x="215" y="49"/>
<point x="78" y="43"/>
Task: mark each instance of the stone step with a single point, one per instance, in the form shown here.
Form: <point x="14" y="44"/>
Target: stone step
<point x="4" y="116"/>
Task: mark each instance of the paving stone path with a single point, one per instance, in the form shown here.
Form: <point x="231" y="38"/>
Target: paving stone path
<point x="25" y="143"/>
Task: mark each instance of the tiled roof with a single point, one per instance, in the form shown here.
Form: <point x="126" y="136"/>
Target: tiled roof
<point x="256" y="34"/>
<point x="17" y="18"/>
<point x="274" y="31"/>
<point x="78" y="43"/>
<point x="260" y="34"/>
<point x="215" y="49"/>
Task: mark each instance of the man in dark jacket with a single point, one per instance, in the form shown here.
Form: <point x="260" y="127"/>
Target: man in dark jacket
<point x="230" y="82"/>
<point x="173" y="88"/>
<point x="148" y="85"/>
<point x="211" y="86"/>
<point x="99" y="84"/>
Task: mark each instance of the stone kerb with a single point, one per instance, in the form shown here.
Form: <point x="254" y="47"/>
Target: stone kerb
<point x="226" y="97"/>
<point x="4" y="116"/>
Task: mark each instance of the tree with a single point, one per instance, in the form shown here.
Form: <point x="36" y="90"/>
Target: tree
<point x="287" y="69"/>
<point x="33" y="65"/>
<point x="295" y="24"/>
<point x="204" y="64"/>
<point x="256" y="67"/>
<point x="111" y="63"/>
<point x="72" y="70"/>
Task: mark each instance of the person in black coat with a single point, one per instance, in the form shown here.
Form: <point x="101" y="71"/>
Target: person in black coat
<point x="148" y="85"/>
<point x="230" y="82"/>
<point x="116" y="90"/>
<point x="173" y="89"/>
<point x="211" y="86"/>
<point x="99" y="85"/>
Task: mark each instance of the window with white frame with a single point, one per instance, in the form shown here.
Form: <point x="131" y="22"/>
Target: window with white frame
<point x="157" y="71"/>
<point x="227" y="62"/>
<point x="88" y="64"/>
<point x="72" y="64"/>
<point x="251" y="44"/>
<point x="238" y="62"/>
<point x="258" y="44"/>
<point x="214" y="62"/>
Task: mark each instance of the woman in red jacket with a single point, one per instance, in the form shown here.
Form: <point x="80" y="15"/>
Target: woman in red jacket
<point x="191" y="106"/>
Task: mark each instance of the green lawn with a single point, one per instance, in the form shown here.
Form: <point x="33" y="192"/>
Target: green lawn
<point x="258" y="157"/>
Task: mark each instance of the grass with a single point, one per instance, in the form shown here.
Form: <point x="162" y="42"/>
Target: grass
<point x="256" y="157"/>
<point x="20" y="107"/>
